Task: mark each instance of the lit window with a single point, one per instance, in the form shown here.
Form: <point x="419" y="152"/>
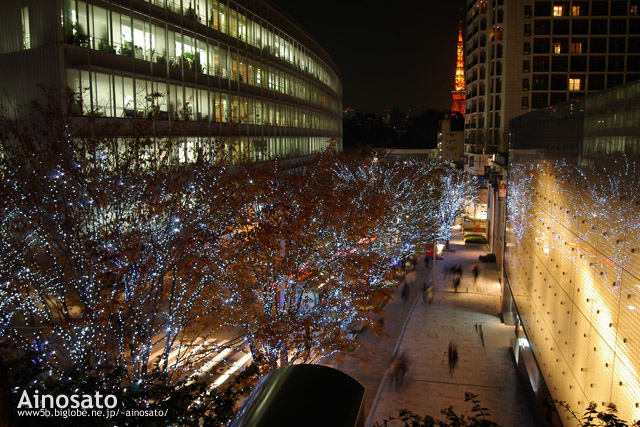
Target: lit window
<point x="557" y="10"/>
<point x="575" y="84"/>
<point x="575" y="10"/>
<point x="576" y="47"/>
<point x="634" y="10"/>
<point x="557" y="48"/>
<point x="26" y="32"/>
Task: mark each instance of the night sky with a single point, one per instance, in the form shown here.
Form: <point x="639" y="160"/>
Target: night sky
<point x="392" y="53"/>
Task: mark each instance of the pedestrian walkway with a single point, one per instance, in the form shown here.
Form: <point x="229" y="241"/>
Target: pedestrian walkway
<point x="422" y="332"/>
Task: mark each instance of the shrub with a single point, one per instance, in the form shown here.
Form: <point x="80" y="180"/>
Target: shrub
<point x="487" y="258"/>
<point x="475" y="238"/>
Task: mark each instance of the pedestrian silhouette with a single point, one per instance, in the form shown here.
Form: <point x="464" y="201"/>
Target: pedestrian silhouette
<point x="456" y="281"/>
<point x="405" y="292"/>
<point x="398" y="370"/>
<point x="476" y="272"/>
<point x="430" y="292"/>
<point x="453" y="356"/>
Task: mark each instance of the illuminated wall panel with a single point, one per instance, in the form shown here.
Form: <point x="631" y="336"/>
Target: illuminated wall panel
<point x="575" y="283"/>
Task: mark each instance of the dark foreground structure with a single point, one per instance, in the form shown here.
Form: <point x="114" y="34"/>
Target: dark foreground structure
<point x="309" y="395"/>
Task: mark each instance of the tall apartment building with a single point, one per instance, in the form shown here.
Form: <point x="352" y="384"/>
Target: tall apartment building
<point x="524" y="55"/>
<point x="212" y="65"/>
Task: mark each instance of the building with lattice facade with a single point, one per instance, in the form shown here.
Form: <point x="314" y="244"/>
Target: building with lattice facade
<point x="210" y="65"/>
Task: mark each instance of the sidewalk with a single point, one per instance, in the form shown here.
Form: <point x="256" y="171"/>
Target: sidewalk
<point x="423" y="333"/>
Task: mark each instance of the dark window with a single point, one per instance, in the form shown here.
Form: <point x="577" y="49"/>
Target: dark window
<point x="498" y="68"/>
<point x="539" y="100"/>
<point x="614" y="80"/>
<point x="634" y="26"/>
<point x="526" y="48"/>
<point x="499" y="51"/>
<point x="578" y="63"/>
<point x="598" y="46"/>
<point x="560" y="64"/>
<point x="558" y="83"/>
<point x="599" y="26"/>
<point x="541" y="28"/>
<point x="618" y="26"/>
<point x="634" y="45"/>
<point x="633" y="63"/>
<point x="500" y="16"/>
<point x="525" y="84"/>
<point x="616" y="63"/>
<point x="498" y="85"/>
<point x="541" y="64"/>
<point x="617" y="45"/>
<point x="527" y="11"/>
<point x="597" y="63"/>
<point x="561" y="27"/>
<point x="526" y="67"/>
<point x="599" y="8"/>
<point x="618" y="8"/>
<point x="541" y="46"/>
<point x="525" y="102"/>
<point x="527" y="29"/>
<point x="580" y="27"/>
<point x="596" y="82"/>
<point x="632" y="77"/>
<point x="540" y="83"/>
<point x="557" y="98"/>
<point x="543" y="8"/>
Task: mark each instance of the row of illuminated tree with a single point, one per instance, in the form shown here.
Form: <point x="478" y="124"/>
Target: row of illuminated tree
<point x="116" y="261"/>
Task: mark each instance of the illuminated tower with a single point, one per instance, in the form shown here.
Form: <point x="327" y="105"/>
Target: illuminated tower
<point x="457" y="108"/>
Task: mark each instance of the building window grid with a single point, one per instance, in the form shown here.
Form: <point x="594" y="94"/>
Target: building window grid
<point x="265" y="38"/>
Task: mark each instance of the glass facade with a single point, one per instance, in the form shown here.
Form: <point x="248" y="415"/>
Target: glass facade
<point x="209" y="61"/>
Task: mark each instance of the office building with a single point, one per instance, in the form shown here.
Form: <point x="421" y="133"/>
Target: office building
<point x="238" y="69"/>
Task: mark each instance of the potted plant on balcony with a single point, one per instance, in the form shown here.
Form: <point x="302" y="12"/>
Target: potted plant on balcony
<point x="126" y="49"/>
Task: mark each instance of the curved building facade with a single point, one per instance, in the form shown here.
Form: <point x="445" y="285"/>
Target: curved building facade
<point x="240" y="69"/>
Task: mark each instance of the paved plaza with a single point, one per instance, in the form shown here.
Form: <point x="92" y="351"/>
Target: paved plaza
<point x="422" y="333"/>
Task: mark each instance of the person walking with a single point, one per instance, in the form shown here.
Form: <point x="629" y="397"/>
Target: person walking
<point x="456" y="281"/>
<point x="476" y="272"/>
<point x="453" y="356"/>
<point x="399" y="367"/>
<point x="430" y="292"/>
<point x="405" y="292"/>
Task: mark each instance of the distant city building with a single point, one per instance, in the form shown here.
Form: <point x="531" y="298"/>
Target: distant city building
<point x="208" y="64"/>
<point x="524" y="55"/>
<point x="451" y="139"/>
